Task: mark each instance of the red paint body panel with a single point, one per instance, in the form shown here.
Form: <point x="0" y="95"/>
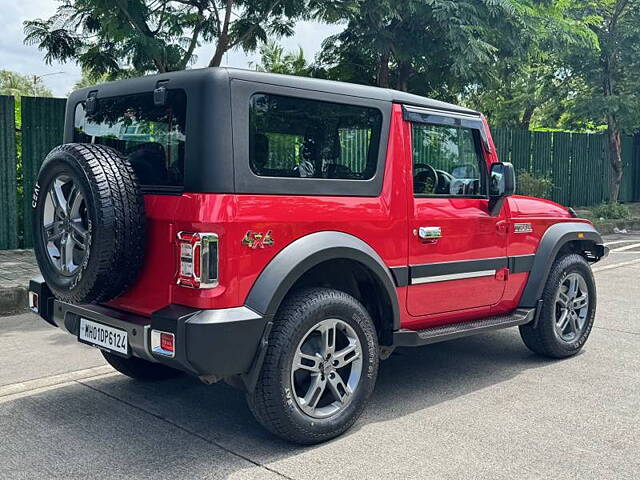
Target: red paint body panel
<point x="386" y="223"/>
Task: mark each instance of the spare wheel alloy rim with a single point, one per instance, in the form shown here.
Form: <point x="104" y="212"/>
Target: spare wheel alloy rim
<point x="65" y="225"/>
<point x="327" y="368"/>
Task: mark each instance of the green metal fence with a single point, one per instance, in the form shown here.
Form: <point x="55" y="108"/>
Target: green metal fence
<point x="8" y="184"/>
<point x="42" y="129"/>
<point x="21" y="154"/>
<point x="576" y="163"/>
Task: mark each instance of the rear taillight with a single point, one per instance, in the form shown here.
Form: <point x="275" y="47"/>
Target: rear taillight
<point x="197" y="260"/>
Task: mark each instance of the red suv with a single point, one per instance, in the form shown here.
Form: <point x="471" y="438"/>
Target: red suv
<point x="284" y="234"/>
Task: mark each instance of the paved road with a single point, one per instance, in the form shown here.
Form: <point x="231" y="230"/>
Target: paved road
<point x="481" y="407"/>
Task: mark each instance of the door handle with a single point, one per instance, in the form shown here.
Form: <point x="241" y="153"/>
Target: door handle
<point x="430" y="233"/>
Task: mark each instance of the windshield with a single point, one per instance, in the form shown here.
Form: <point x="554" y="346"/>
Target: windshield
<point x="152" y="137"/>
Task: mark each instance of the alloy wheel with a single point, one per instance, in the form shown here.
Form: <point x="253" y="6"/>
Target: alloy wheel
<point x="327" y="367"/>
<point x="65" y="225"/>
<point x="571" y="307"/>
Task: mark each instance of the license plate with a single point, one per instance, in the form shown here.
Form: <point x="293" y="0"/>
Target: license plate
<point x="102" y="336"/>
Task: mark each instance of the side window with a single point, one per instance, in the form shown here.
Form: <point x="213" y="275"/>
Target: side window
<point x="447" y="161"/>
<point x="300" y="138"/>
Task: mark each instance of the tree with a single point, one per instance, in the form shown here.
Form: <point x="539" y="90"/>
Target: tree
<point x="436" y="43"/>
<point x="274" y="59"/>
<point x="612" y="72"/>
<point x="108" y="36"/>
<point x="578" y="73"/>
<point x="17" y="85"/>
<point x="528" y="80"/>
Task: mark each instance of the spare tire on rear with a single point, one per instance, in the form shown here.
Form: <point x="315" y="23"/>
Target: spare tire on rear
<point x="89" y="223"/>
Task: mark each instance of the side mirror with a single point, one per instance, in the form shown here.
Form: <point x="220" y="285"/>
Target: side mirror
<point x="502" y="184"/>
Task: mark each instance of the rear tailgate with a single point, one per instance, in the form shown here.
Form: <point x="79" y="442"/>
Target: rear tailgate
<point x="152" y="291"/>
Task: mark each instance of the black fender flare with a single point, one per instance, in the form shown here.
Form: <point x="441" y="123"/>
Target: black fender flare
<point x="556" y="237"/>
<point x="300" y="256"/>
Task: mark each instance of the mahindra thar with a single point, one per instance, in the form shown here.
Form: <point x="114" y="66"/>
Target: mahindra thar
<point x="285" y="234"/>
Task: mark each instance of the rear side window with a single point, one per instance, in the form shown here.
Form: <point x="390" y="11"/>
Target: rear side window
<point x="152" y="137"/>
<point x="299" y="138"/>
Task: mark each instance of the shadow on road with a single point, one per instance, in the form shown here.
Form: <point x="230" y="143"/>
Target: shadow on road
<point x="411" y="380"/>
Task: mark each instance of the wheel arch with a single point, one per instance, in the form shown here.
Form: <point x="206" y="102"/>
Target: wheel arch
<point x="576" y="237"/>
<point x="311" y="259"/>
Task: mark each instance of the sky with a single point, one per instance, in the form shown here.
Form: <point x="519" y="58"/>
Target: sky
<point x="60" y="78"/>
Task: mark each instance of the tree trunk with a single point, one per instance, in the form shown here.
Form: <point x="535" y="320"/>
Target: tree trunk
<point x="221" y="49"/>
<point x="404" y="74"/>
<point x="613" y="127"/>
<point x="615" y="157"/>
<point x="382" y="75"/>
<point x="525" y="123"/>
<point x="223" y="37"/>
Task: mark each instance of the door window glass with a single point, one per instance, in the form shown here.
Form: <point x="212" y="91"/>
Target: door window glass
<point x="446" y="161"/>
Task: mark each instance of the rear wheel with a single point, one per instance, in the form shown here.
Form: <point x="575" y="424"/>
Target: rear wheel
<point x="140" y="369"/>
<point x="320" y="368"/>
<point x="568" y="310"/>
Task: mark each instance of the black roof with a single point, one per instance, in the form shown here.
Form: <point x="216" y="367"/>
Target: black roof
<point x="344" y="88"/>
<point x="196" y="75"/>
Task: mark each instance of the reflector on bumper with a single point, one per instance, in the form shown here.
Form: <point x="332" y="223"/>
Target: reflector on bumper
<point x="163" y="343"/>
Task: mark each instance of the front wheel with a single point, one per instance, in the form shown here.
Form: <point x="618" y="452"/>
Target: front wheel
<point x="568" y="310"/>
<point x="320" y="368"/>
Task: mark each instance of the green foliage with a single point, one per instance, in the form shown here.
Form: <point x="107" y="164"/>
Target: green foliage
<point x="108" y="36"/>
<point x="425" y="47"/>
<point x="532" y="185"/>
<point x="611" y="211"/>
<point x="274" y="59"/>
<point x="17" y="85"/>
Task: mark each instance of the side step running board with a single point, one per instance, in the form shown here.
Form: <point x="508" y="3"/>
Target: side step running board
<point x="416" y="338"/>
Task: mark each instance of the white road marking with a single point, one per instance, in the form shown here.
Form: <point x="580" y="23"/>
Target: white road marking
<point x="628" y="247"/>
<point x="615" y="265"/>
<point x="618" y="242"/>
<point x="44" y="382"/>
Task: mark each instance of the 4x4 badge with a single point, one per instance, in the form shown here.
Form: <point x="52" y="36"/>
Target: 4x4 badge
<point x="255" y="240"/>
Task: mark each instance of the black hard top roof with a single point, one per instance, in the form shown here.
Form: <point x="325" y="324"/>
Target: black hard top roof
<point x="221" y="73"/>
<point x="344" y="88"/>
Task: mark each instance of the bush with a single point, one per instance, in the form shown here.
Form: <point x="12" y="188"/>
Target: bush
<point x="534" y="186"/>
<point x="612" y="211"/>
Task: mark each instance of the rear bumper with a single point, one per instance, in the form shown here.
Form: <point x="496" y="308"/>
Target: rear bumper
<point x="208" y="343"/>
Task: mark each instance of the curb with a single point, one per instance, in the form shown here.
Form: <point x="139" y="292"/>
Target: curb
<point x="607" y="227"/>
<point x="13" y="300"/>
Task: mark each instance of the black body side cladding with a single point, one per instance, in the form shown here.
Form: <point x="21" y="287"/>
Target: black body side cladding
<point x="400" y="276"/>
<point x="556" y="237"/>
<point x="293" y="261"/>
<point x="223" y="342"/>
<point x="463" y="266"/>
